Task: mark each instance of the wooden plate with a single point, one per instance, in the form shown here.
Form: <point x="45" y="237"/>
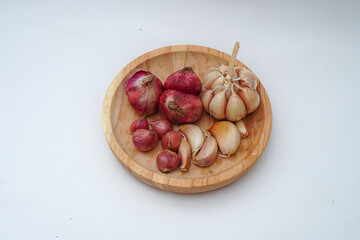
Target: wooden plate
<point x="118" y="116"/>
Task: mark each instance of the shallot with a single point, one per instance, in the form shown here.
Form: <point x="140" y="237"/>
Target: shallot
<point x="184" y="80"/>
<point x="180" y="107"/>
<point x="144" y="139"/>
<point x="167" y="161"/>
<point x="161" y="126"/>
<point x="140" y="123"/>
<point x="171" y="141"/>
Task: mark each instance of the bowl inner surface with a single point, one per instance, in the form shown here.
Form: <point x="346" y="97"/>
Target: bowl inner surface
<point x="122" y="115"/>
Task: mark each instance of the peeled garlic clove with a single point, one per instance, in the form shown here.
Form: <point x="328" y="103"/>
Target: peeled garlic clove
<point x="227" y="136"/>
<point x="218" y="82"/>
<point x="208" y="153"/>
<point x="235" y="107"/>
<point x="217" y="105"/>
<point x="251" y="98"/>
<point x="194" y="136"/>
<point x="242" y="129"/>
<point x="184" y="153"/>
<point x="206" y="97"/>
<point x="210" y="78"/>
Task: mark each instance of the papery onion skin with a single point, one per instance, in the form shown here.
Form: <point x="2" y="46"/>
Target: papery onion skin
<point x="184" y="80"/>
<point x="179" y="107"/>
<point x="143" y="90"/>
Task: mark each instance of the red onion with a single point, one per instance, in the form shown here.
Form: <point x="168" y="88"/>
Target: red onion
<point x="180" y="107"/>
<point x="143" y="90"/>
<point x="184" y="80"/>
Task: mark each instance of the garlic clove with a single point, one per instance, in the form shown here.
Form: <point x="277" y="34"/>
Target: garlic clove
<point x="217" y="105"/>
<point x="218" y="82"/>
<point x="218" y="89"/>
<point x="235" y="107"/>
<point x="227" y="136"/>
<point x="206" y="97"/>
<point x="194" y="136"/>
<point x="208" y="153"/>
<point x="228" y="91"/>
<point x="242" y="129"/>
<point x="247" y="74"/>
<point x="251" y="98"/>
<point x="210" y="78"/>
<point x="223" y="69"/>
<point x="184" y="153"/>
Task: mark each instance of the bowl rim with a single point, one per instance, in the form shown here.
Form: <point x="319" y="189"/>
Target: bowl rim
<point x="160" y="180"/>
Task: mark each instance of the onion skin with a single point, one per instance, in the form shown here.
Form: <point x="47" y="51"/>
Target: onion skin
<point x="144" y="139"/>
<point x="184" y="80"/>
<point x="161" y="126"/>
<point x="140" y="123"/>
<point x="179" y="107"/>
<point x="171" y="141"/>
<point x="143" y="90"/>
<point x="167" y="161"/>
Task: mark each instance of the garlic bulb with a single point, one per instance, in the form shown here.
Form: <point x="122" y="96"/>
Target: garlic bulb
<point x="230" y="98"/>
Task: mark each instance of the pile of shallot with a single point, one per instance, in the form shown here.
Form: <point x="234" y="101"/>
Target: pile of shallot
<point x="228" y="97"/>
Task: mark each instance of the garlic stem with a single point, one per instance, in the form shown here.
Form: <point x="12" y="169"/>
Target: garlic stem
<point x="233" y="58"/>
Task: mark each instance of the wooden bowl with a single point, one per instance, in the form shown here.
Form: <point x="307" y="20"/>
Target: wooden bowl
<point x="118" y="116"/>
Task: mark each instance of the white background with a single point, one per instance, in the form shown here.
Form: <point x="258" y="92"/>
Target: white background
<point x="60" y="180"/>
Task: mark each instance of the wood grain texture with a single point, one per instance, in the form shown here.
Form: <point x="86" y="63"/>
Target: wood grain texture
<point x="118" y="116"/>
